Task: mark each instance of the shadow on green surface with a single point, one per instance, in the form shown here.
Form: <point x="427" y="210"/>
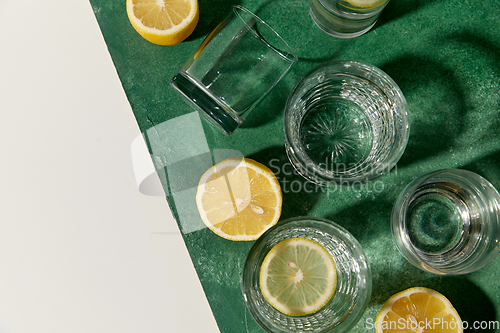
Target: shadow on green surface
<point x="437" y="105"/>
<point x="368" y="220"/>
<point x="489" y="51"/>
<point x="270" y="107"/>
<point x="473" y="40"/>
<point x="212" y="12"/>
<point x="446" y="106"/>
<point x="397" y="9"/>
<point x="488" y="167"/>
<point x="294" y="24"/>
<point x="299" y="195"/>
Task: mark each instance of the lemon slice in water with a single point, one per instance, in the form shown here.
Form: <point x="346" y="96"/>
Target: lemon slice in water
<point x="362" y="4"/>
<point x="298" y="276"/>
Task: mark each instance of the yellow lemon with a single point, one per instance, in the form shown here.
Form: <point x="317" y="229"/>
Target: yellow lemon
<point x="298" y="276"/>
<point x="239" y="199"/>
<point x="418" y="310"/>
<point x="362" y="4"/>
<point x="163" y="22"/>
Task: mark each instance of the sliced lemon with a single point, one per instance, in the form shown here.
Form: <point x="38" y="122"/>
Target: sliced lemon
<point x="362" y="4"/>
<point x="163" y="22"/>
<point x="418" y="310"/>
<point x="239" y="199"/>
<point x="298" y="276"/>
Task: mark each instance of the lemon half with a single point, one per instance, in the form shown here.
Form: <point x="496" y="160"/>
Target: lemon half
<point x="163" y="22"/>
<point x="239" y="199"/>
<point x="419" y="310"/>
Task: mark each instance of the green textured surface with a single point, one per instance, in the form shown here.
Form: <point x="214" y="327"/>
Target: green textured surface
<point x="445" y="56"/>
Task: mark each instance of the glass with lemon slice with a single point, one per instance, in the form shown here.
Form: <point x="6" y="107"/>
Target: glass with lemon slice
<point x="306" y="275"/>
<point x="346" y="18"/>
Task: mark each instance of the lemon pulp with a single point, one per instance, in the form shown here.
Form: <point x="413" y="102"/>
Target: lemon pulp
<point x="298" y="276"/>
<point x="163" y="22"/>
<point x="362" y="4"/>
<point x="239" y="199"/>
<point x="419" y="310"/>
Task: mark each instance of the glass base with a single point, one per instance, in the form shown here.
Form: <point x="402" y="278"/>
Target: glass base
<point x="211" y="108"/>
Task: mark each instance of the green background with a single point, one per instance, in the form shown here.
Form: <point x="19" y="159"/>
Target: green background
<point x="444" y="55"/>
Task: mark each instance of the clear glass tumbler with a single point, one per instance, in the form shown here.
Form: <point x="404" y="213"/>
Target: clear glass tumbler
<point x="345" y="122"/>
<point x="346" y="19"/>
<point x="353" y="288"/>
<point x="448" y="222"/>
<point x="233" y="69"/>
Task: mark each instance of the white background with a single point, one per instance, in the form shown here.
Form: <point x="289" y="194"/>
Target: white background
<point x="81" y="249"/>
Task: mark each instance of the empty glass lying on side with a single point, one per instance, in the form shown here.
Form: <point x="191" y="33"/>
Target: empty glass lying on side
<point x="448" y="222"/>
<point x="345" y="122"/>
<point x="233" y="69"/>
<point x="306" y="274"/>
<point x="346" y="18"/>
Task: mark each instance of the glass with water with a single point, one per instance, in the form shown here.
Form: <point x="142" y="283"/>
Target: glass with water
<point x="346" y="18"/>
<point x="346" y="122"/>
<point x="447" y="222"/>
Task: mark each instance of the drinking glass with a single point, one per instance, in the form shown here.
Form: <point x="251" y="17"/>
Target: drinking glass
<point x="233" y="69"/>
<point x="448" y="222"/>
<point x="353" y="289"/>
<point x="346" y="122"/>
<point x="345" y="19"/>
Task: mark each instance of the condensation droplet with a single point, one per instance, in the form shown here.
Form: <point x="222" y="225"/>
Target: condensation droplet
<point x="258" y="210"/>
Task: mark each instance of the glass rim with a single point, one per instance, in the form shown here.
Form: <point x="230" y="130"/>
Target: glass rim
<point x="289" y="55"/>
